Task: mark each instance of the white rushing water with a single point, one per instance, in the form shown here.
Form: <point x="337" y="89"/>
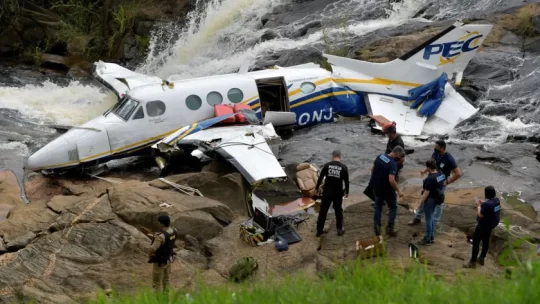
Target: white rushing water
<point x="218" y="37"/>
<point x="50" y="103"/>
<point x="224" y="34"/>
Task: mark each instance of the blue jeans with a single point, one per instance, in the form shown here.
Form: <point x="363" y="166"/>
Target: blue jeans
<point x="437" y="214"/>
<point x="391" y="200"/>
<point x="429" y="208"/>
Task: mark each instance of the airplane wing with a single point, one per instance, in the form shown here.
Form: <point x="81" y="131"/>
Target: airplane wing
<point x="244" y="146"/>
<point x="119" y="79"/>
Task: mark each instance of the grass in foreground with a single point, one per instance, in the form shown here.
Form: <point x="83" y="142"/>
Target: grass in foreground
<point x="377" y="283"/>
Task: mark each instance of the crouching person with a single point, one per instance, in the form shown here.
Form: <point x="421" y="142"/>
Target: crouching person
<point x="432" y="196"/>
<point x="489" y="216"/>
<point x="161" y="254"/>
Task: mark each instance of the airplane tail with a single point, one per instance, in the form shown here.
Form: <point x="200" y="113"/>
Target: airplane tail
<point x="448" y="52"/>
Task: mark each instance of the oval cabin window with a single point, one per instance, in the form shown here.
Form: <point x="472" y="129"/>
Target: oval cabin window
<point x="214" y="98"/>
<point x="155" y="108"/>
<point x="193" y="102"/>
<point x="235" y="95"/>
<point x="307" y="87"/>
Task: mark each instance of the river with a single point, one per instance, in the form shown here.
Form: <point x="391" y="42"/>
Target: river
<point x="219" y="36"/>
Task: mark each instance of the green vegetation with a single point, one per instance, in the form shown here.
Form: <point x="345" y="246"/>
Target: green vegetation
<point x="372" y="281"/>
<point x="376" y="283"/>
<point x="524" y="25"/>
<point x="87" y="28"/>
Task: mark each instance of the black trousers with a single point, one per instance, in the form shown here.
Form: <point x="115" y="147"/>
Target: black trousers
<point x="481" y="234"/>
<point x="327" y="200"/>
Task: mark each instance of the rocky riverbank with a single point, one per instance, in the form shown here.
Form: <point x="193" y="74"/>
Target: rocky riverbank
<point x="79" y="236"/>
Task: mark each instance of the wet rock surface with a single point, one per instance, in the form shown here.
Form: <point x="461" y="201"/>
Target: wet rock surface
<point x="61" y="248"/>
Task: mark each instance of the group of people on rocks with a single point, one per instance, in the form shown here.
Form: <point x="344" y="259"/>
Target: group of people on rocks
<point x="440" y="170"/>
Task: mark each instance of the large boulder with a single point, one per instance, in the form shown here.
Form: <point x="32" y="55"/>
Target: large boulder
<point x="229" y="189"/>
<point x="62" y="266"/>
<point x="24" y="223"/>
<point x="139" y="204"/>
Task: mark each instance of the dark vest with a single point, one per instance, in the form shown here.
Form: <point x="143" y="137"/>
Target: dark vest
<point x="165" y="251"/>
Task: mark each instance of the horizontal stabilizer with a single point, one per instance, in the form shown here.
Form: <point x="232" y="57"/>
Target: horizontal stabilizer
<point x="120" y="79"/>
<point x="393" y="109"/>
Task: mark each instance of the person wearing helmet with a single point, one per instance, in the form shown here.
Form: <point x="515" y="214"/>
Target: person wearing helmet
<point x="394" y="140"/>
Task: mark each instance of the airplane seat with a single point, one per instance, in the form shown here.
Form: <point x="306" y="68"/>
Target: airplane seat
<point x="306" y="179"/>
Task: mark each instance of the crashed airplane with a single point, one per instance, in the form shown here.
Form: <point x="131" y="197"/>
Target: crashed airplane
<point x="412" y="90"/>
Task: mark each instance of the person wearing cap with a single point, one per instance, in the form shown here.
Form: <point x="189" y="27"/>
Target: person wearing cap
<point x="394" y="140"/>
<point x="161" y="253"/>
<point x="335" y="175"/>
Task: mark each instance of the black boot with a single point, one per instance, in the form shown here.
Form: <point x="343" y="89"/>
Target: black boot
<point x="391" y="231"/>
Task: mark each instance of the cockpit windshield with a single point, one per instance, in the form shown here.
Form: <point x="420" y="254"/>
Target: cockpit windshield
<point x="125" y="107"/>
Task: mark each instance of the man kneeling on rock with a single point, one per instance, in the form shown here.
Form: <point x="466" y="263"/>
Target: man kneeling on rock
<point x="489" y="216"/>
<point x="161" y="253"/>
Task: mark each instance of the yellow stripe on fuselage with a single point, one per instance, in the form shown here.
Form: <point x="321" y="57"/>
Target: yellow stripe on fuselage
<point x="250" y="99"/>
<point x="321" y="97"/>
<point x="185" y="134"/>
<point x="318" y="82"/>
<point x="379" y="81"/>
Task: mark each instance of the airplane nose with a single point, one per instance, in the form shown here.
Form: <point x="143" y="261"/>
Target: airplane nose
<point x="56" y="154"/>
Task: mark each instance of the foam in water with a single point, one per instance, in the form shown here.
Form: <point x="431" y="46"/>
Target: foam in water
<point x="17" y="147"/>
<point x="224" y="34"/>
<point x="50" y="103"/>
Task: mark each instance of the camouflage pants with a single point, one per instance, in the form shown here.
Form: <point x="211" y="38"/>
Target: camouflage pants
<point x="161" y="276"/>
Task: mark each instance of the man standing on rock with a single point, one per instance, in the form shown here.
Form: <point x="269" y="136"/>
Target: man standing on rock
<point x="383" y="182"/>
<point x="161" y="254"/>
<point x="335" y="174"/>
<point x="394" y="140"/>
<point x="488" y="217"/>
<point x="447" y="165"/>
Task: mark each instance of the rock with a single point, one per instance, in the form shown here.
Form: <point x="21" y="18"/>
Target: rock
<point x="24" y="219"/>
<point x="268" y="35"/>
<point x="325" y="267"/>
<point x="3" y="248"/>
<point x="536" y="23"/>
<point x="143" y="28"/>
<point x="510" y="38"/>
<point x="138" y="204"/>
<point x="229" y="189"/>
<point x="130" y="47"/>
<point x="308" y="27"/>
<point x="78" y="45"/>
<point x="10" y="193"/>
<point x="532" y="45"/>
<point x="179" y="7"/>
<point x="54" y="61"/>
<point x="20" y="241"/>
<point x="265" y="18"/>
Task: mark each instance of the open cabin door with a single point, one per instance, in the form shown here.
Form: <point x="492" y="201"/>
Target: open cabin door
<point x="274" y="99"/>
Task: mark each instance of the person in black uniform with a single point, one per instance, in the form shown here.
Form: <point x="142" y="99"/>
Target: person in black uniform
<point x="384" y="185"/>
<point x="335" y="174"/>
<point x="394" y="140"/>
<point x="488" y="217"/>
<point x="161" y="253"/>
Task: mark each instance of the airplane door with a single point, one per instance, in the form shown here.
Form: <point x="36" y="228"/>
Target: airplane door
<point x="93" y="145"/>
